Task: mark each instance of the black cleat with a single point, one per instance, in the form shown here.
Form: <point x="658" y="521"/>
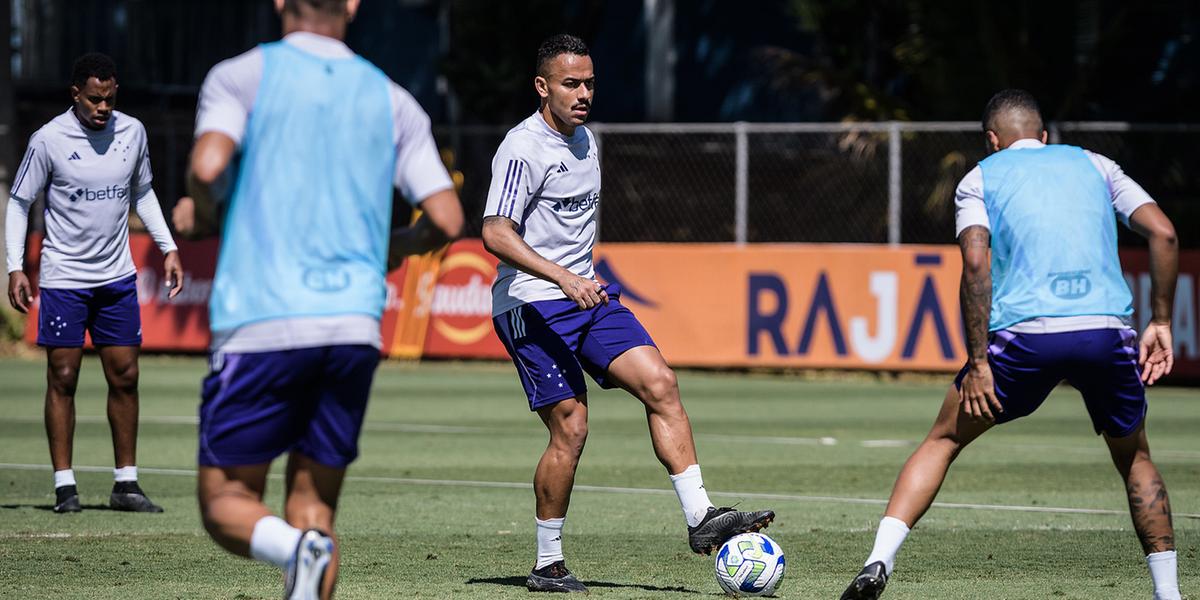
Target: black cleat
<point x="554" y="577"/>
<point x="128" y="496"/>
<point x="66" y="499"/>
<point x="869" y="583"/>
<point x="720" y="524"/>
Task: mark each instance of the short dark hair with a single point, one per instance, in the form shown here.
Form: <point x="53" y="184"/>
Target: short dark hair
<point x="92" y="64"/>
<point x="1008" y="100"/>
<point x="553" y="46"/>
<point x="331" y="7"/>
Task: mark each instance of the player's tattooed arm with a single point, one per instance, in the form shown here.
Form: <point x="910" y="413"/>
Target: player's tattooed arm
<point x="977" y="393"/>
<point x="975" y="290"/>
<point x="500" y="237"/>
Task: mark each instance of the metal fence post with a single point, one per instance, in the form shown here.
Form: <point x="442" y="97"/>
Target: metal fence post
<point x="741" y="185"/>
<point x="894" y="191"/>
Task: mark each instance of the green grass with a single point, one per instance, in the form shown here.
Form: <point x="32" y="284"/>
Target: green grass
<point x="756" y="435"/>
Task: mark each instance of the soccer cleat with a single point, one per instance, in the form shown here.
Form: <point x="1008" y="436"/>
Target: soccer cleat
<point x="720" y="524"/>
<point x="66" y="499"/>
<point x="554" y="577"/>
<point x="128" y="496"/>
<point x="306" y="569"/>
<point x="869" y="583"/>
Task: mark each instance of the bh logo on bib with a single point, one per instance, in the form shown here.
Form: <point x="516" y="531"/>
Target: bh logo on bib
<point x="1070" y="286"/>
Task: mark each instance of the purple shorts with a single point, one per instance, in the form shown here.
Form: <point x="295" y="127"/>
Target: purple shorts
<point x="1100" y="363"/>
<point x="109" y="312"/>
<point x="552" y="342"/>
<point x="258" y="405"/>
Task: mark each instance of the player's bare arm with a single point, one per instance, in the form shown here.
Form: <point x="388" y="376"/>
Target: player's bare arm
<point x="207" y="182"/>
<point x="978" y="394"/>
<point x="440" y="223"/>
<point x="500" y="237"/>
<point x="1155" y="351"/>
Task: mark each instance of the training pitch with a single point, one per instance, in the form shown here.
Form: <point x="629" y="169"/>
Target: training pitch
<point x="439" y="505"/>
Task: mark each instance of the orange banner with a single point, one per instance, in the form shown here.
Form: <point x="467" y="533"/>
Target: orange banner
<point x="707" y="305"/>
<point x="834" y="306"/>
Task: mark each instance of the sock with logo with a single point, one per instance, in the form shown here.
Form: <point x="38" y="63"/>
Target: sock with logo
<point x="274" y="541"/>
<point x="888" y="539"/>
<point x="693" y="498"/>
<point x="549" y="541"/>
<point x="1164" y="572"/>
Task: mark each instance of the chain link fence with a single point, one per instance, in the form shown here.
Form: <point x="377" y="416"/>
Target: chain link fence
<point x="819" y="182"/>
<point x="757" y="182"/>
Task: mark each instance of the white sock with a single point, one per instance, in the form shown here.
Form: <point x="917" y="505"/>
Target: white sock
<point x="549" y="541"/>
<point x="64" y="477"/>
<point x="888" y="538"/>
<point x="1163" y="569"/>
<point x="274" y="541"/>
<point x="693" y="498"/>
<point x="125" y="474"/>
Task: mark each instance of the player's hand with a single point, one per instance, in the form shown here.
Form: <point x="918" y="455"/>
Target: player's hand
<point x="1156" y="353"/>
<point x="173" y="269"/>
<point x="18" y="291"/>
<point x="587" y="293"/>
<point x="183" y="216"/>
<point x="977" y="394"/>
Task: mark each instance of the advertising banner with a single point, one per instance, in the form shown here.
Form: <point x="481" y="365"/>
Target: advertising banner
<point x="706" y="305"/>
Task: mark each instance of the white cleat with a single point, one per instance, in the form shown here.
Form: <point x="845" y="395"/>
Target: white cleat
<point x="306" y="570"/>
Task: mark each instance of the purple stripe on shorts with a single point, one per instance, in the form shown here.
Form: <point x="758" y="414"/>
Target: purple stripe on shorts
<point x="1000" y="340"/>
<point x="1128" y="337"/>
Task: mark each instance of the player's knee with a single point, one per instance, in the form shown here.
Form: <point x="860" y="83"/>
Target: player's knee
<point x="572" y="435"/>
<point x="662" y="387"/>
<point x="124" y="377"/>
<point x="63" y="380"/>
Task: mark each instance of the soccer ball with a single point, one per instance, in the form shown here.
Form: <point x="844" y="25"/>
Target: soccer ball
<point x="750" y="564"/>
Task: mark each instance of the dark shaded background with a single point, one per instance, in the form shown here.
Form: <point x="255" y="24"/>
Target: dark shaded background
<point x="470" y="62"/>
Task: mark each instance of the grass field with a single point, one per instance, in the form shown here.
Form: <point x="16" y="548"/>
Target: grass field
<point x="439" y="504"/>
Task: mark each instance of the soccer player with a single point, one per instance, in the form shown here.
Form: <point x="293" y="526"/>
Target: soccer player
<point x="557" y="321"/>
<point x="1048" y="304"/>
<point x="92" y="163"/>
<point x="299" y="290"/>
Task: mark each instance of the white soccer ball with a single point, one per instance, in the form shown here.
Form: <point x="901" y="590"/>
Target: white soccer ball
<point x="750" y="564"/>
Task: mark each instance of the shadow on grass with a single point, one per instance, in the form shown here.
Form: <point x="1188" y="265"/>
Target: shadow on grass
<point x="520" y="582"/>
<point x="50" y="507"/>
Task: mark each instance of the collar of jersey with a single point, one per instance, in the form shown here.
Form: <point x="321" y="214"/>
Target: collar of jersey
<point x="319" y="45"/>
<point x="548" y="130"/>
<point x="1025" y="143"/>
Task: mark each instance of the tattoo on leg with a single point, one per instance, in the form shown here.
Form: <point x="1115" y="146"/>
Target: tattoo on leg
<point x="1150" y="508"/>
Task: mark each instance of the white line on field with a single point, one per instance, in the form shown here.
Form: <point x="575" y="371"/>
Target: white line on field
<point x="512" y="485"/>
<point x="715" y="437"/>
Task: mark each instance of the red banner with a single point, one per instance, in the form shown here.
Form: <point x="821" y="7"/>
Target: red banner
<point x="180" y="324"/>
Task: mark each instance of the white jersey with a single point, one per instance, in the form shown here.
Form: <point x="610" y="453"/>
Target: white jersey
<point x="549" y="184"/>
<point x="90" y="178"/>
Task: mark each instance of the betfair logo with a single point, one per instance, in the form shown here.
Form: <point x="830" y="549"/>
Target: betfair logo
<point x="578" y="203"/>
<point x="112" y="192"/>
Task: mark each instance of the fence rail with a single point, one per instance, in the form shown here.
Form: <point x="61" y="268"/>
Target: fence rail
<point x="879" y="182"/>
